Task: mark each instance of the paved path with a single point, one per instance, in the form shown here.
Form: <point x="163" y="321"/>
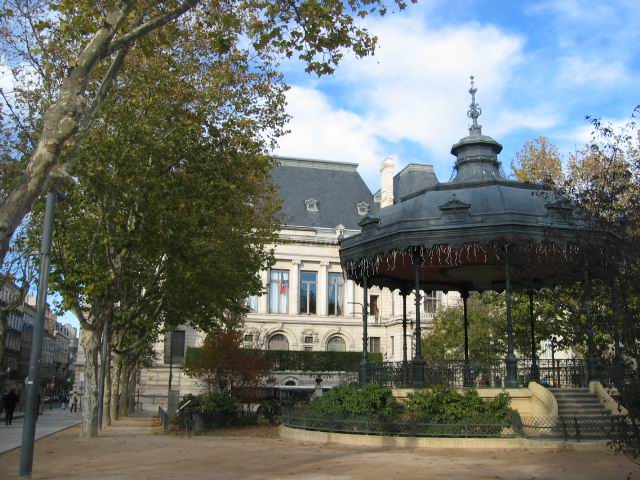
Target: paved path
<point x="49" y="422"/>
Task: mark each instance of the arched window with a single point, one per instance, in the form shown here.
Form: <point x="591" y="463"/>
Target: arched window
<point x="290" y="383"/>
<point x="278" y="342"/>
<point x="336" y="344"/>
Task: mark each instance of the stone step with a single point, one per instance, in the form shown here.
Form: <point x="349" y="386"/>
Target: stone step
<point x="573" y="401"/>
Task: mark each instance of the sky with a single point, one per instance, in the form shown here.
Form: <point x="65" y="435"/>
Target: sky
<point x="540" y="68"/>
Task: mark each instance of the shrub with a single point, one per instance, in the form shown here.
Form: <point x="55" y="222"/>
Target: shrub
<point x="270" y="411"/>
<point x="219" y="403"/>
<point x="446" y="405"/>
<point x="372" y="401"/>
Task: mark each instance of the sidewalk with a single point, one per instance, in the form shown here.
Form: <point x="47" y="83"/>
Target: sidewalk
<point x="50" y="421"/>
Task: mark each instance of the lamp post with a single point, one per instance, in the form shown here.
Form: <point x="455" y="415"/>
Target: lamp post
<point x="35" y="358"/>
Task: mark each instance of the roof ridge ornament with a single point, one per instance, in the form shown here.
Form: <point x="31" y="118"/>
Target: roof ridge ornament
<point x="474" y="110"/>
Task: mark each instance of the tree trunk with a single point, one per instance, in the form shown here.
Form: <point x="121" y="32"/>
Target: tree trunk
<point x="115" y="390"/>
<point x="106" y="410"/>
<point x="89" y="418"/>
<point x="124" y="388"/>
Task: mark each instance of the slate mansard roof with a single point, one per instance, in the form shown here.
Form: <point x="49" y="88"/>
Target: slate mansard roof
<point x="336" y="186"/>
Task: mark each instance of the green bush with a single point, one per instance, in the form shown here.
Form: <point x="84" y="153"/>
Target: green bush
<point x="446" y="405"/>
<point x="270" y="411"/>
<point x="302" y="360"/>
<point x="219" y="403"/>
<point x="347" y="401"/>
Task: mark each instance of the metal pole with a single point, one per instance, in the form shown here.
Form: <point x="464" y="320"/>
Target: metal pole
<point x="418" y="362"/>
<point x="33" y="379"/>
<point x="365" y="340"/>
<point x="404" y="328"/>
<point x="103" y="367"/>
<point x="405" y="372"/>
<point x="591" y="364"/>
<point x="467" y="381"/>
<point x="170" y="360"/>
<point x="532" y="321"/>
<point x="511" y="360"/>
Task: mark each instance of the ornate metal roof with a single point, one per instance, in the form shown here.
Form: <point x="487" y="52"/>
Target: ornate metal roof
<point x="460" y="228"/>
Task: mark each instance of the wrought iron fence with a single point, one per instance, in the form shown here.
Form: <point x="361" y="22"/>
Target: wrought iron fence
<point x="453" y="373"/>
<point x="560" y="428"/>
<point x="562" y="373"/>
<point x="485" y="374"/>
<point x="395" y="427"/>
<point x="566" y="428"/>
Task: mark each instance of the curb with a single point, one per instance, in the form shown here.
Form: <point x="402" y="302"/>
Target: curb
<point x="321" y="437"/>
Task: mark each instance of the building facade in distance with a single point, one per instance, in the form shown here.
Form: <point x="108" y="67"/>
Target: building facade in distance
<point x="306" y="304"/>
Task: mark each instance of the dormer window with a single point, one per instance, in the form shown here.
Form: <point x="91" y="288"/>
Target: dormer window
<point x="363" y="208"/>
<point x="311" y="204"/>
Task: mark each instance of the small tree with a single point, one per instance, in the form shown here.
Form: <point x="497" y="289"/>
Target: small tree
<point x="222" y="364"/>
<point x="538" y="161"/>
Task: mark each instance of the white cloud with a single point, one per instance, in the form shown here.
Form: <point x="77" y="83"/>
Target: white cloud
<point x="594" y="72"/>
<point x="413" y="90"/>
<point x="319" y="130"/>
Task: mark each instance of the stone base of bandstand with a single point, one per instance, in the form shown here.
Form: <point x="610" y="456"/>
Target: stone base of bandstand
<point x="300" y="435"/>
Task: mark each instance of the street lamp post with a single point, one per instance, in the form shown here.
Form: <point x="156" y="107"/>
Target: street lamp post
<point x="33" y="379"/>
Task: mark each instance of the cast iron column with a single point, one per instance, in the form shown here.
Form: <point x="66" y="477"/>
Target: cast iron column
<point x="532" y="321"/>
<point x="405" y="367"/>
<point x="615" y="314"/>
<point x="511" y="360"/>
<point x="35" y="359"/>
<point x="467" y="381"/>
<point x="592" y="373"/>
<point x="418" y="362"/>
<point x="365" y="341"/>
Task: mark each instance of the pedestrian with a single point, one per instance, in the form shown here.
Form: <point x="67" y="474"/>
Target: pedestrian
<point x="74" y="403"/>
<point x="10" y="402"/>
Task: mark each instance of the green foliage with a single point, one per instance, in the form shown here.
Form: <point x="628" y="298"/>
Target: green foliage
<point x="325" y="361"/>
<point x="538" y="161"/>
<point x="446" y="405"/>
<point x="372" y="401"/>
<point x="270" y="411"/>
<point x="487" y="330"/>
<point x="218" y="403"/>
<point x="222" y="364"/>
<point x="301" y="361"/>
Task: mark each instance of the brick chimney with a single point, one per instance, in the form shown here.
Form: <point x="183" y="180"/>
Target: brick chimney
<point x="386" y="182"/>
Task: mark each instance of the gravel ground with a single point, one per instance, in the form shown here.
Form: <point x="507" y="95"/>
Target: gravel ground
<point x="136" y="450"/>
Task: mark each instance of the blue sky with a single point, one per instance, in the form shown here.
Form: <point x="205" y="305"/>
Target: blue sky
<point x="540" y="67"/>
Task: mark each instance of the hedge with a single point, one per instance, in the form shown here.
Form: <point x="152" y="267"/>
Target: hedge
<point x="304" y="361"/>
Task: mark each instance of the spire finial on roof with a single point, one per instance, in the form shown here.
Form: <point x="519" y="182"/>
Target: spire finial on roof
<point x="474" y="109"/>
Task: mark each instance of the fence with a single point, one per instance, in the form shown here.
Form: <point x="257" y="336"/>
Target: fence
<point x="164" y="419"/>
<point x="483" y="374"/>
<point x="561" y="428"/>
<point x="394" y="427"/>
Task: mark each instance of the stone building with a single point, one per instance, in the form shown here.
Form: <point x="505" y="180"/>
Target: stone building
<point x="306" y="304"/>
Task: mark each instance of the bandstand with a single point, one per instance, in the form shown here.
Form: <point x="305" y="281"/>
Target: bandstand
<point x="480" y="231"/>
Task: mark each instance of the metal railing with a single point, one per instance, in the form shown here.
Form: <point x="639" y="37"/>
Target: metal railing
<point x="484" y="374"/>
<point x="164" y="419"/>
<point x="560" y="428"/>
<point x="396" y="427"/>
